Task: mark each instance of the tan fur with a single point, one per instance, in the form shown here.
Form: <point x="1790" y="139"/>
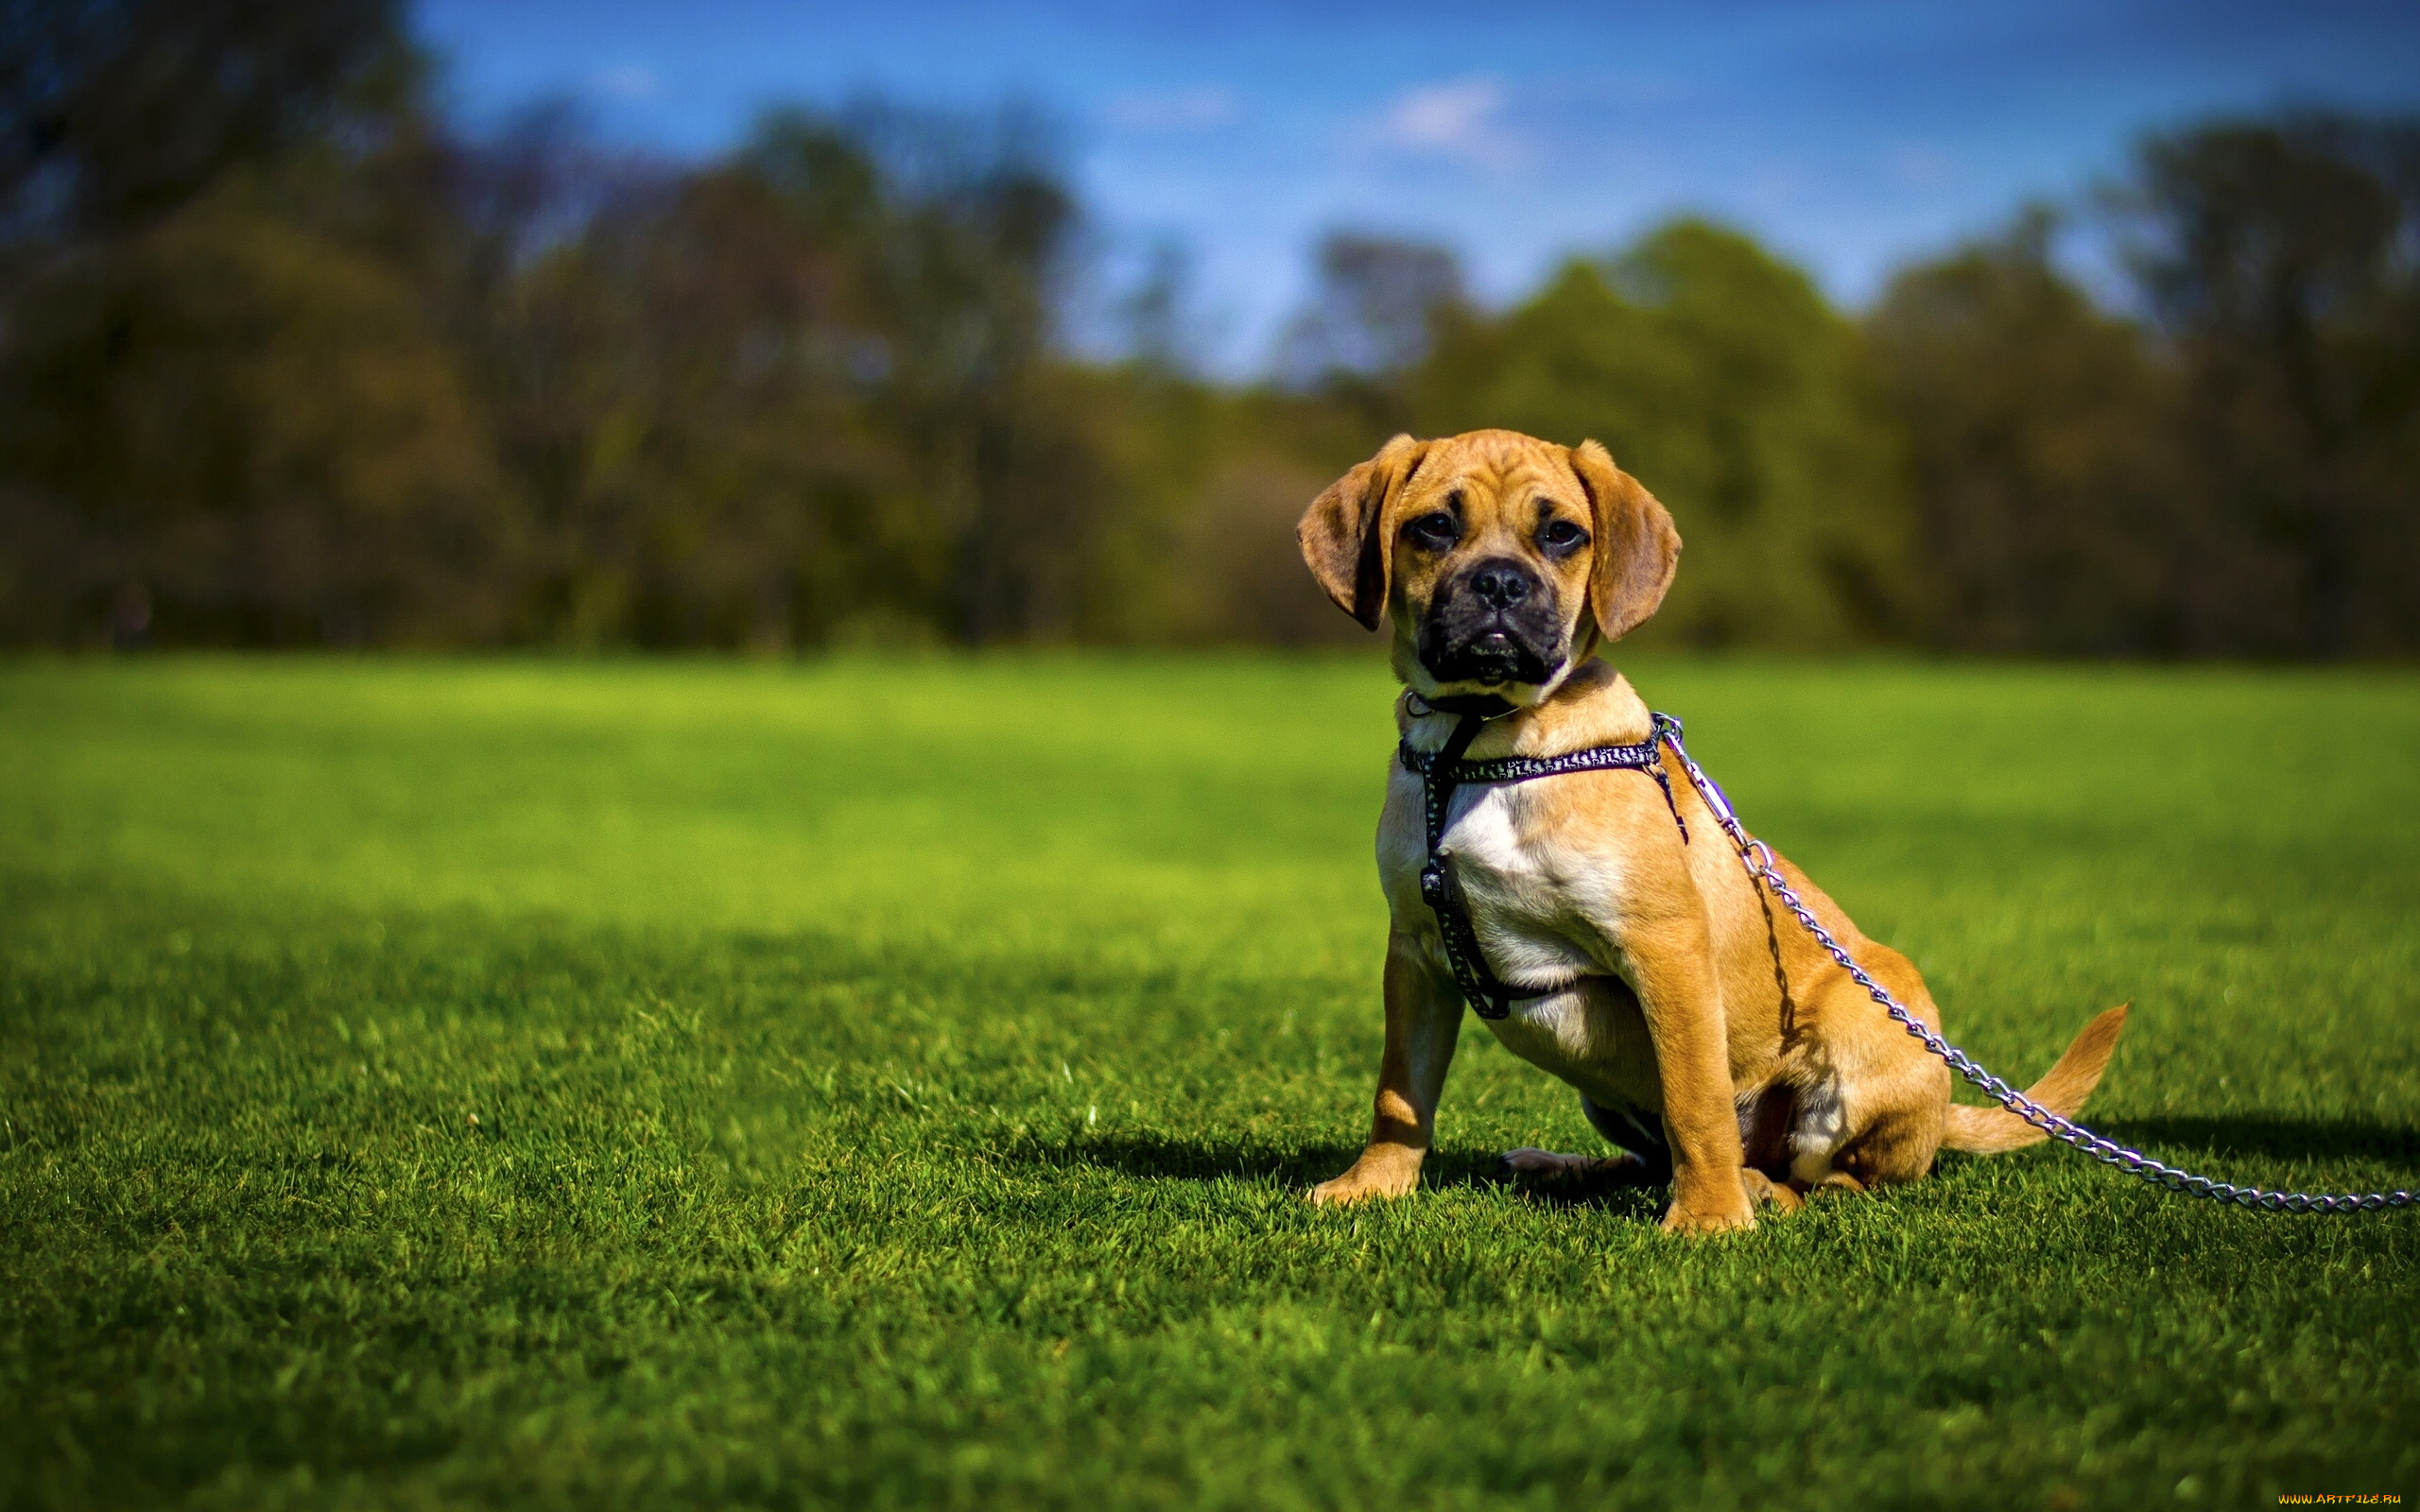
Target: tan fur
<point x="1667" y="984"/>
<point x="1637" y="548"/>
<point x="1345" y="533"/>
<point x="2062" y="1091"/>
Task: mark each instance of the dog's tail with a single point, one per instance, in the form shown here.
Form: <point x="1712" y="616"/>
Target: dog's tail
<point x="1991" y="1131"/>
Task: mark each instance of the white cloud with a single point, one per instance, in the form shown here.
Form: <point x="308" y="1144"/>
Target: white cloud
<point x="1461" y="120"/>
<point x="626" y="81"/>
<point x="1201" y="108"/>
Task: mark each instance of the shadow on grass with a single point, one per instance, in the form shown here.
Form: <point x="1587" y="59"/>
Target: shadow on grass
<point x="1160" y="1156"/>
<point x="2288" y="1138"/>
<point x="1168" y="1157"/>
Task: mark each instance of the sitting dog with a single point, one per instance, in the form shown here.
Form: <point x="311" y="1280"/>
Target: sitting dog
<point x="1709" y="1036"/>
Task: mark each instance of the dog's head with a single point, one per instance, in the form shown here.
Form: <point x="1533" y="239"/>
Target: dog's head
<point x="1502" y="558"/>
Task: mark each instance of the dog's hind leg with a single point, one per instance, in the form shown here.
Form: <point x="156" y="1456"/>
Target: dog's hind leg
<point x="1764" y="1192"/>
<point x="1642" y="1159"/>
<point x="1641" y="1139"/>
<point x="1897" y="1146"/>
<point x="1622" y="1168"/>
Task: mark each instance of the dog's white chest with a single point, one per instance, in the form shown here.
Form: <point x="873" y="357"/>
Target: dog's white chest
<point x="1530" y="899"/>
<point x="1535" y="900"/>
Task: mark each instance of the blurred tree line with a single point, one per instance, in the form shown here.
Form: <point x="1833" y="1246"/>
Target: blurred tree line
<point x="287" y="359"/>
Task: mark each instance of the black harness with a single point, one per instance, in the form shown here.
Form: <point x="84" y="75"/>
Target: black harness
<point x="1444" y="770"/>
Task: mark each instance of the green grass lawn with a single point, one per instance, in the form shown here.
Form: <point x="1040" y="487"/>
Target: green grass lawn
<point x="864" y="1084"/>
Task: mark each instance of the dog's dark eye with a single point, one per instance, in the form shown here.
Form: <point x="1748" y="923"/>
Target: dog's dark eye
<point x="1560" y="535"/>
<point x="1436" y="528"/>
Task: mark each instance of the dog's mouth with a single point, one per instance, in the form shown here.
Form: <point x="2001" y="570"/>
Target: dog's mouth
<point x="1491" y="655"/>
<point x="1494" y="623"/>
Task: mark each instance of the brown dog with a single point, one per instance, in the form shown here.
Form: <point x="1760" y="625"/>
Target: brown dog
<point x="1709" y="1036"/>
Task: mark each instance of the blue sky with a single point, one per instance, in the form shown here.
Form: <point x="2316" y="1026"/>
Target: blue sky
<point x="1851" y="137"/>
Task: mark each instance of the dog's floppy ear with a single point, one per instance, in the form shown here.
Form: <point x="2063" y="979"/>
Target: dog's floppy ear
<point x="1345" y="534"/>
<point x="1637" y="549"/>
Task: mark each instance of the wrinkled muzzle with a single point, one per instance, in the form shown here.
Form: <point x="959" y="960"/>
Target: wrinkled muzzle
<point x="1496" y="622"/>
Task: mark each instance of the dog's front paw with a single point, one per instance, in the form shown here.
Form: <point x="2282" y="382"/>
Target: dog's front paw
<point x="1680" y="1220"/>
<point x="1710" y="1208"/>
<point x="1339" y="1193"/>
<point x="1368" y="1178"/>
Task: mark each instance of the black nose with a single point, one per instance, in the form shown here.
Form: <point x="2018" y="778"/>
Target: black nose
<point x="1500" y="584"/>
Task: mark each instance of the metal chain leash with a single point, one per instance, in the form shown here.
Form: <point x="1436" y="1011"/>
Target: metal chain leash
<point x="1758" y="858"/>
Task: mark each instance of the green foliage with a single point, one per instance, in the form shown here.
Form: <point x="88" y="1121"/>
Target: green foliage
<point x="121" y="111"/>
<point x="261" y="425"/>
<point x="806" y="394"/>
<point x="286" y="358"/>
<point x="2238" y="475"/>
<point x="2052" y="505"/>
<point x="633" y="1085"/>
<point x="2278" y="256"/>
<point x="1720" y="377"/>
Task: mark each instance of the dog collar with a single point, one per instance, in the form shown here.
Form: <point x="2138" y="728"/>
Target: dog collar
<point x="1484" y="706"/>
<point x="1444" y="770"/>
